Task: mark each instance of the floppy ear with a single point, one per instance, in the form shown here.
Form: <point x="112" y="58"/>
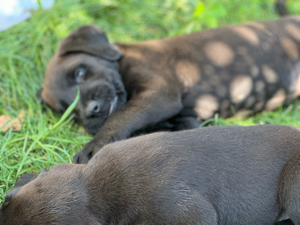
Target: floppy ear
<point x="9" y="197"/>
<point x="89" y="39"/>
<point x="24" y="179"/>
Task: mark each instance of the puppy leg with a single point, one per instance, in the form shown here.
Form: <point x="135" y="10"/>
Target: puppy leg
<point x="144" y="109"/>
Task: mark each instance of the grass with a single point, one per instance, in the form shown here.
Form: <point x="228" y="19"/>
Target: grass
<point x="25" y="49"/>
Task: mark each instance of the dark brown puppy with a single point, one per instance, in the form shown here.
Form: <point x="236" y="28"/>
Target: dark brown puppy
<point x="207" y="176"/>
<point x="247" y="67"/>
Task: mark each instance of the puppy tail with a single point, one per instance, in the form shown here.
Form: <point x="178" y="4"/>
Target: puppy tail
<point x="281" y="9"/>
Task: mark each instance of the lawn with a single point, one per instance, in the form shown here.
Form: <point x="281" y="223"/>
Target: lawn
<point x="47" y="138"/>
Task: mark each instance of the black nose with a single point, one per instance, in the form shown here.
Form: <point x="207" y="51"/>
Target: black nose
<point x="93" y="108"/>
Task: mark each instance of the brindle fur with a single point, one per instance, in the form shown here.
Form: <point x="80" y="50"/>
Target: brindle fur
<point x="241" y="68"/>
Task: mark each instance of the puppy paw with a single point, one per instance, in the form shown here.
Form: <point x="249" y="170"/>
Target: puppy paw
<point x="86" y="153"/>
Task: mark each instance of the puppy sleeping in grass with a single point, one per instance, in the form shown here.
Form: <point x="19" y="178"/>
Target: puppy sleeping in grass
<point x="207" y="176"/>
<point x="174" y="82"/>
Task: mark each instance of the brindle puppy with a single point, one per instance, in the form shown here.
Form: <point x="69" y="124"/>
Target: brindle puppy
<point x="126" y="87"/>
<point x="207" y="176"/>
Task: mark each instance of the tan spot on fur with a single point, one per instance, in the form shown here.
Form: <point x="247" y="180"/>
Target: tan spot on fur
<point x="294" y="31"/>
<point x="188" y="72"/>
<point x="246" y="33"/>
<point x="258" y="106"/>
<point x="297" y="87"/>
<point x="269" y="74"/>
<point x="254" y="71"/>
<point x="206" y="106"/>
<point x="136" y="54"/>
<point x="240" y="88"/>
<point x="290" y="48"/>
<point x="250" y="101"/>
<point x="256" y="25"/>
<point x="220" y="54"/>
<point x="259" y="86"/>
<point x="277" y="100"/>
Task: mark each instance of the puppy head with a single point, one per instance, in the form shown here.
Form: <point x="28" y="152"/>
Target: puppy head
<point x="57" y="196"/>
<point x="85" y="59"/>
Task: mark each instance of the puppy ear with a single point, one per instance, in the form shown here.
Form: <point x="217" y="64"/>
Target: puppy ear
<point x="89" y="39"/>
<point x="9" y="196"/>
<point x="24" y="179"/>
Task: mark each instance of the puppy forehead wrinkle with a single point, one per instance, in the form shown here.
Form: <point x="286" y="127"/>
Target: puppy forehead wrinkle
<point x="69" y="63"/>
<point x="94" y="65"/>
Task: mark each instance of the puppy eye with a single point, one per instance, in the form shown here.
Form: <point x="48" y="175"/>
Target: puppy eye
<point x="79" y="74"/>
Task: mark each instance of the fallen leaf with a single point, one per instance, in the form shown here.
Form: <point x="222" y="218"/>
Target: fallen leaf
<point x="7" y="122"/>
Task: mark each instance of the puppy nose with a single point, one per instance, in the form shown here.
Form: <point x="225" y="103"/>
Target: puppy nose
<point x="93" y="108"/>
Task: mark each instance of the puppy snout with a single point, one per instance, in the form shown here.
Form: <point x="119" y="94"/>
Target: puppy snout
<point x="93" y="108"/>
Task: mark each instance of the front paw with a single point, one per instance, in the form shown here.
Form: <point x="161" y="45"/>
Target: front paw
<point x="86" y="153"/>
